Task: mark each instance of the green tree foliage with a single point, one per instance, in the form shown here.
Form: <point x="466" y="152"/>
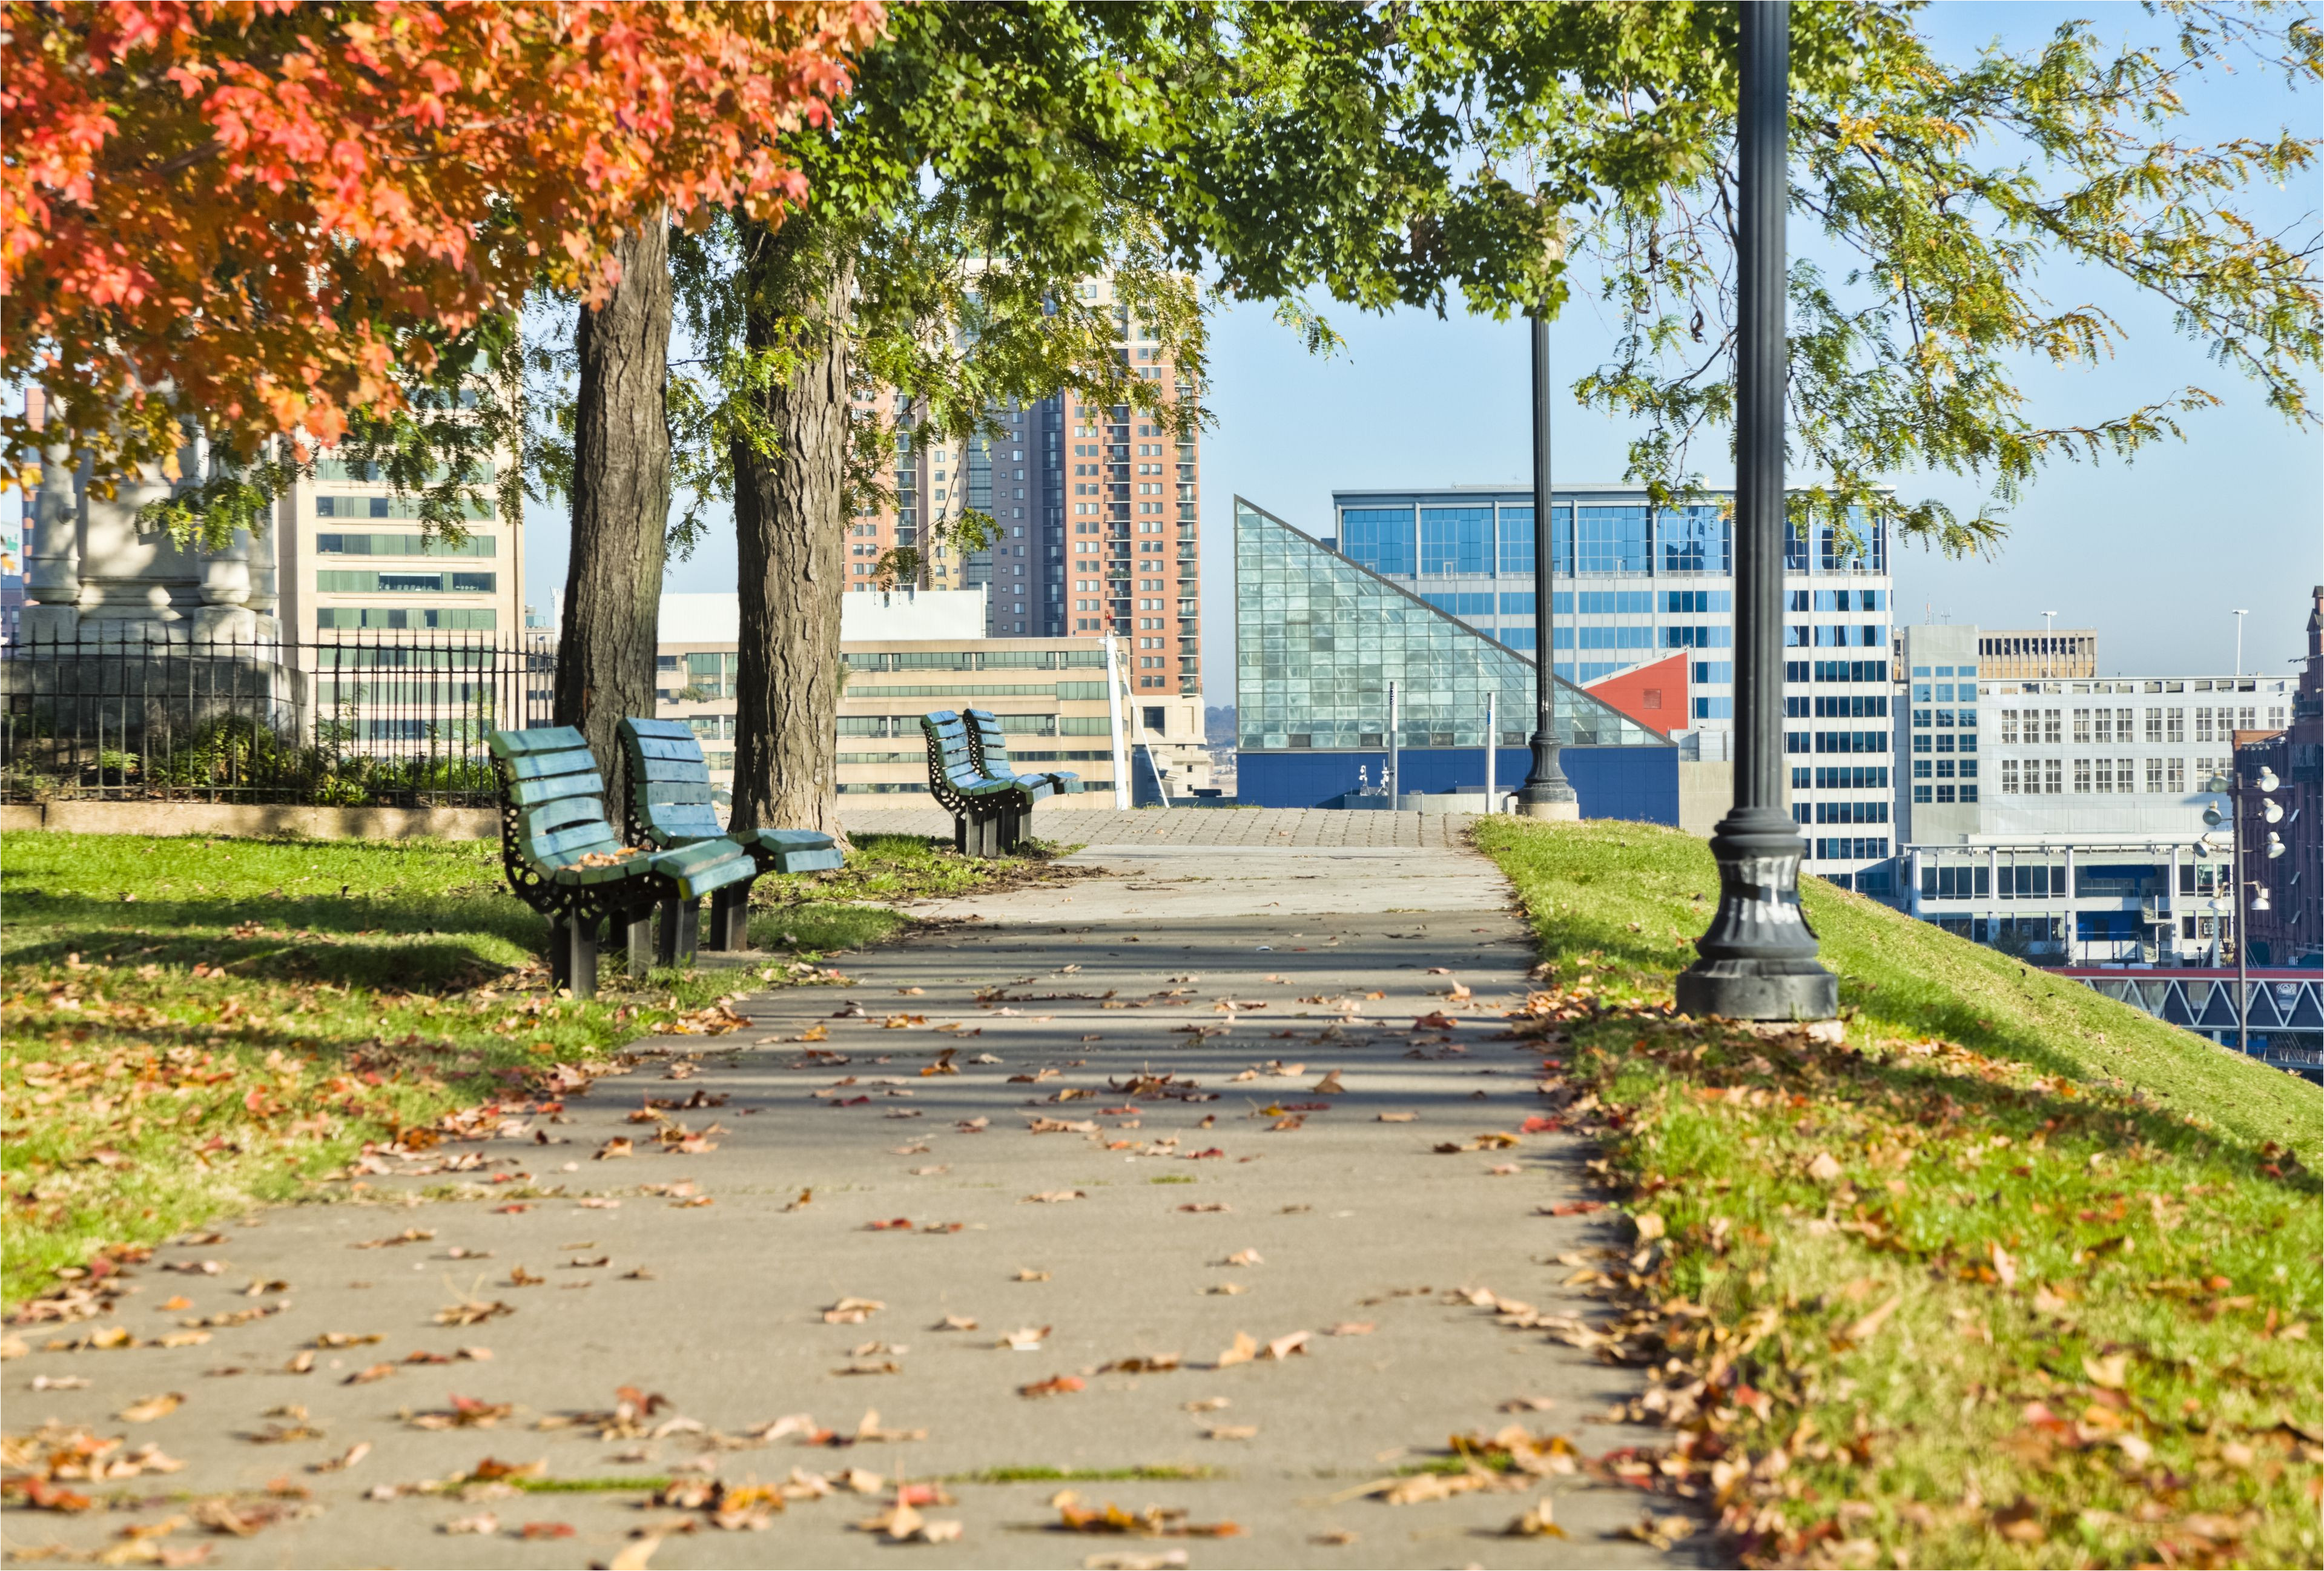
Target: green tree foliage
<point x="1403" y="154"/>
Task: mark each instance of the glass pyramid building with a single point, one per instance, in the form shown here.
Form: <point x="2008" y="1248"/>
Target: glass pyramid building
<point x="1318" y="639"/>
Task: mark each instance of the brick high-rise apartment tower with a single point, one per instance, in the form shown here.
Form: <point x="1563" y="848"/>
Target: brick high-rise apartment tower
<point x="1099" y="514"/>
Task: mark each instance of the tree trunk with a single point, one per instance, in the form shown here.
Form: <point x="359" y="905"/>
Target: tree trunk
<point x="620" y="508"/>
<point x="789" y="513"/>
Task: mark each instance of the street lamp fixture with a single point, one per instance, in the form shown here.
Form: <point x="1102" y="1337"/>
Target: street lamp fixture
<point x="1546" y="793"/>
<point x="1758" y="957"/>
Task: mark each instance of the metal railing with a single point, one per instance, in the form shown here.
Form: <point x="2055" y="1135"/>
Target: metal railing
<point x="392" y="720"/>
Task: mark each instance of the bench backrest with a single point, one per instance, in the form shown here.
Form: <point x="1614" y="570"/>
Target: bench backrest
<point x="991" y="743"/>
<point x="555" y="796"/>
<point x="952" y="757"/>
<point x="669" y="784"/>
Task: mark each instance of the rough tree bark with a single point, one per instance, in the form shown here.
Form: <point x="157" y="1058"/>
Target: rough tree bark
<point x="620" y="508"/>
<point x="789" y="512"/>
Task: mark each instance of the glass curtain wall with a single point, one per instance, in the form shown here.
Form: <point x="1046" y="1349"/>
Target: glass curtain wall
<point x="1318" y="639"/>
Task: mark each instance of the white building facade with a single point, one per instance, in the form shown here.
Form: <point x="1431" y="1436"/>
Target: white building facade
<point x="2065" y="819"/>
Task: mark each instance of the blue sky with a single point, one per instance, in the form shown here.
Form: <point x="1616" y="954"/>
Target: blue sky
<point x="2154" y="555"/>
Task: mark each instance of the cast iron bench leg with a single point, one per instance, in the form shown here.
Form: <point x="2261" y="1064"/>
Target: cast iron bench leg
<point x="637" y="935"/>
<point x="960" y="833"/>
<point x="681" y="924"/>
<point x="573" y="957"/>
<point x="730" y="918"/>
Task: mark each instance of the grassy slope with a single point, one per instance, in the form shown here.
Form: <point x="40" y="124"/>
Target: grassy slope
<point x="345" y="990"/>
<point x="2100" y="1235"/>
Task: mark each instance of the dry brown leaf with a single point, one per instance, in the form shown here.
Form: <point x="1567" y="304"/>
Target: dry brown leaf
<point x="151" y="1408"/>
<point x="1536" y="1521"/>
<point x="1243" y="1351"/>
<point x="1231" y="1432"/>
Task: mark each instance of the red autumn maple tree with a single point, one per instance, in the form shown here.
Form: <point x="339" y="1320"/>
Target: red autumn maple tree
<point x="242" y="212"/>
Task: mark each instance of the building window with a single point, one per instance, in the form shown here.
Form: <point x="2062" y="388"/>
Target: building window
<point x="2203" y="726"/>
<point x="2053" y="777"/>
<point x="2175" y="774"/>
<point x="2154" y="774"/>
<point x="2009" y="727"/>
<point x="2081" y="726"/>
<point x="2106" y="774"/>
<point x="2176" y="724"/>
<point x="2009" y="776"/>
<point x="2081" y="777"/>
<point x="2049" y="729"/>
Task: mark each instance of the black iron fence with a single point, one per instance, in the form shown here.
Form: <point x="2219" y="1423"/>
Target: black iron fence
<point x="356" y="723"/>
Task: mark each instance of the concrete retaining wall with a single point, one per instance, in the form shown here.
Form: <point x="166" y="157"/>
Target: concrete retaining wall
<point x="244" y="821"/>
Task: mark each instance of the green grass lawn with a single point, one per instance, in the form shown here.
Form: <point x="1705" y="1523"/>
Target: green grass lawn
<point x="2014" y="1276"/>
<point x="194" y="1025"/>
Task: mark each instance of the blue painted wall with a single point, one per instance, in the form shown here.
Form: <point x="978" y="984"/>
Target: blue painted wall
<point x="1613" y="782"/>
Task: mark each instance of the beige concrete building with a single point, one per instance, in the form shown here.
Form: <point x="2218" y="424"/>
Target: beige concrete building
<point x="2012" y="655"/>
<point x="909" y="652"/>
<point x="350" y="555"/>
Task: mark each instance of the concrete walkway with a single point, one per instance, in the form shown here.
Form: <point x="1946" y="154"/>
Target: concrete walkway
<point x="1192" y="1113"/>
<point x="1062" y="821"/>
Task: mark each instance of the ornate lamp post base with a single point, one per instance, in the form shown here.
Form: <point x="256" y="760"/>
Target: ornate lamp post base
<point x="1759" y="956"/>
<point x="1568" y="811"/>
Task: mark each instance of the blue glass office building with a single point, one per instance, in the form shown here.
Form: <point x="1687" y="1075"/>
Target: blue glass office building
<point x="1318" y="638"/>
<point x="1638" y="584"/>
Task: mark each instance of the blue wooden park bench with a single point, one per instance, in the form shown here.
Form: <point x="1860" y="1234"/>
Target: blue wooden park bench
<point x="990" y="743"/>
<point x="565" y="859"/>
<point x="989" y="805"/>
<point x="671" y="806"/>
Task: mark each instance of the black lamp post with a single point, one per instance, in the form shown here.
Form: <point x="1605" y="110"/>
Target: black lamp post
<point x="1548" y="793"/>
<point x="1758" y="958"/>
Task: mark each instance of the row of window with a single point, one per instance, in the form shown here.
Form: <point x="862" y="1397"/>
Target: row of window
<point x="1837" y="705"/>
<point x="1840" y="812"/>
<point x="350" y="581"/>
<point x="1942" y="692"/>
<point x="394" y="616"/>
<point x="1830" y="671"/>
<point x="1944" y="793"/>
<point x="1943" y="741"/>
<point x="1849" y="848"/>
<point x="2155" y="725"/>
<point x="1946" y="720"/>
<point x="1582" y="540"/>
<point x="1836" y="741"/>
<point x="2158" y="776"/>
<point x="1841" y="777"/>
<point x="392" y="507"/>
<point x="402" y="545"/>
<point x="1944" y="769"/>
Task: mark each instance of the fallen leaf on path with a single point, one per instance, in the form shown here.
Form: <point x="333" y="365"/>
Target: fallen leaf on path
<point x="1350" y="1328"/>
<point x="151" y="1408"/>
<point x="1535" y="1522"/>
<point x="1243" y="1257"/>
<point x="955" y="1323"/>
<point x="1397" y="1117"/>
<point x="636" y="1555"/>
<point x="1244" y="1350"/>
<point x="340" y="1463"/>
<point x="483" y="1522"/>
<point x="1160" y="1561"/>
<point x="1154" y="1522"/>
<point x="1208" y="1207"/>
<point x="1661" y="1532"/>
<point x="472" y="1312"/>
<point x="365" y="1376"/>
<point x="1056" y="1385"/>
<point x="1231" y="1432"/>
<point x="852" y="1311"/>
<point x="1055" y="1196"/>
<point x="1024" y="1341"/>
<point x="1027" y="1274"/>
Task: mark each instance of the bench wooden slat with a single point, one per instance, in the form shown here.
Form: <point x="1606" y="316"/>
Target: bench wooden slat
<point x="574" y="840"/>
<point x="536" y="765"/>
<point x="540" y="739"/>
<point x="661" y="729"/>
<point x="684" y="750"/>
<point x="669" y="769"/>
<point x="689" y="823"/>
<point x="659" y="793"/>
<point x="524" y="793"/>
